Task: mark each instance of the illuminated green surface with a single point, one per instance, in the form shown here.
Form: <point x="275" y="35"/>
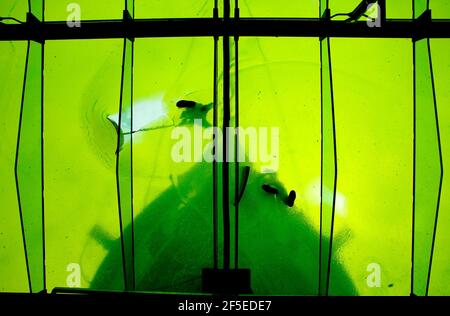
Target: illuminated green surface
<point x="14" y="8"/>
<point x="374" y="128"/>
<point x="13" y="274"/>
<point x="440" y="9"/>
<point x="428" y="168"/>
<point x="440" y="274"/>
<point x="82" y="218"/>
<point x="173" y="9"/>
<point x="124" y="163"/>
<point x="397" y="9"/>
<point x="37" y="8"/>
<point x="329" y="164"/>
<point x="59" y="10"/>
<point x="29" y="168"/>
<point x="279" y="9"/>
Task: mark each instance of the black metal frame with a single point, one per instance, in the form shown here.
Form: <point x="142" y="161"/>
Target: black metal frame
<point x="226" y="27"/>
<point x="214" y="27"/>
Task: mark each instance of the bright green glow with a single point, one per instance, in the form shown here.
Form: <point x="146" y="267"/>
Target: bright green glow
<point x="174" y="8"/>
<point x="399" y="9"/>
<point x="280" y="87"/>
<point x="29" y="165"/>
<point x="59" y="10"/>
<point x="373" y="95"/>
<point x="82" y="88"/>
<point x="428" y="168"/>
<point x="13" y="274"/>
<point x="37" y="9"/>
<point x="14" y="8"/>
<point x="329" y="167"/>
<point x="172" y="201"/>
<point x="166" y="70"/>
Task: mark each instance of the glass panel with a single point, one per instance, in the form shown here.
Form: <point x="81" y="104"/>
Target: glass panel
<point x="428" y="169"/>
<point x="14" y="8"/>
<point x="440" y="9"/>
<point x="13" y="273"/>
<point x="374" y="126"/>
<point x="82" y="222"/>
<point x="280" y="9"/>
<point x="280" y="107"/>
<point x="328" y="167"/>
<point x="129" y="5"/>
<point x="172" y="191"/>
<point x="29" y="168"/>
<point x="419" y="6"/>
<point x="69" y="10"/>
<point x="37" y="8"/>
<point x="398" y="9"/>
<point x="174" y="8"/>
<point x="440" y="274"/>
<point x="124" y="123"/>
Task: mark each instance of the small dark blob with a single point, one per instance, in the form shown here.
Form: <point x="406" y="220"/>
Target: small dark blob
<point x="270" y="189"/>
<point x="291" y="198"/>
<point x="183" y="104"/>
<point x="391" y="285"/>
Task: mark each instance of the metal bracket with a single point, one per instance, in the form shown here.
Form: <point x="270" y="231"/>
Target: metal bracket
<point x="128" y="22"/>
<point x="326" y="17"/>
<point x="35" y="28"/>
<point x="420" y="24"/>
<point x="236" y="19"/>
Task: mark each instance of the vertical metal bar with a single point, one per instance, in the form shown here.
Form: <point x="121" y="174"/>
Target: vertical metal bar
<point x="441" y="166"/>
<point x="236" y="143"/>
<point x="131" y="168"/>
<point x="382" y="13"/>
<point x="42" y="166"/>
<point x="16" y="173"/>
<point x="215" y="124"/>
<point x="414" y="170"/>
<point x="124" y="159"/>
<point x="328" y="160"/>
<point x="226" y="125"/>
<point x="330" y="250"/>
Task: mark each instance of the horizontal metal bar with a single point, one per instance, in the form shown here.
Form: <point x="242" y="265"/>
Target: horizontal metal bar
<point x="209" y="27"/>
